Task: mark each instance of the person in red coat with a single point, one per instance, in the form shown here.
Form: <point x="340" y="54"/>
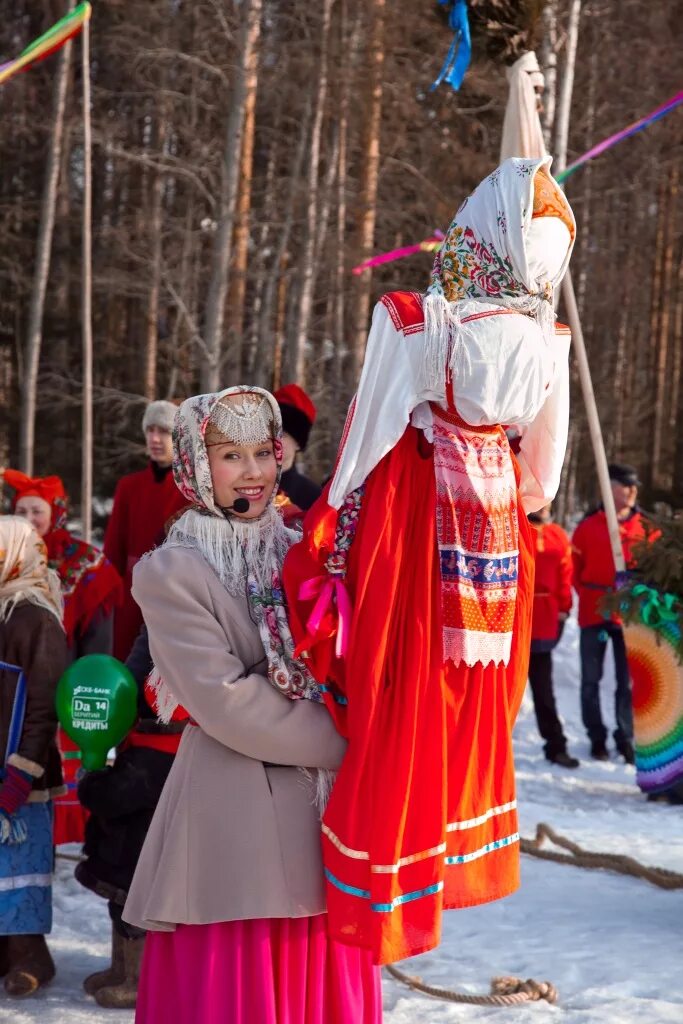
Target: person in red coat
<point x="143" y="502"/>
<point x="594" y="576"/>
<point x="552" y="604"/>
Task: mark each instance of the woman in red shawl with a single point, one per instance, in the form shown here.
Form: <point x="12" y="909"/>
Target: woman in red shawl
<point x="91" y="588"/>
<point x="411" y="591"/>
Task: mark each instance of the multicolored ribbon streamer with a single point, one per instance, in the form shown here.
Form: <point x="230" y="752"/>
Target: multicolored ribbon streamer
<point x="458" y="57"/>
<point x="625" y="133"/>
<point x="430" y="244"/>
<point x="602" y="147"/>
<point x="52" y="40"/>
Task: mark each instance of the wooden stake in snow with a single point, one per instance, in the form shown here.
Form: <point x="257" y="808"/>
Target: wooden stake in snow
<point x="86" y="297"/>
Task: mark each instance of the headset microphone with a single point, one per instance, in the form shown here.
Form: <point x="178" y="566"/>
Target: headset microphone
<point x="240" y="505"/>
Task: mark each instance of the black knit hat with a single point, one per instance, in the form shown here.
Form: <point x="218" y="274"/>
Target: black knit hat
<point x="622" y="474"/>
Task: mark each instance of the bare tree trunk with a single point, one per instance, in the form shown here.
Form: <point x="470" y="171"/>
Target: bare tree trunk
<point x="549" y="65"/>
<point x="86" y="307"/>
<point x="42" y="267"/>
<point x="369" y="180"/>
<point x="156" y="229"/>
<point x="238" y="282"/>
<point x="279" y="335"/>
<point x="565" y="105"/>
<point x="350" y="51"/>
<point x="267" y="326"/>
<point x="662" y="478"/>
<point x="312" y="192"/>
<point x="210" y="366"/>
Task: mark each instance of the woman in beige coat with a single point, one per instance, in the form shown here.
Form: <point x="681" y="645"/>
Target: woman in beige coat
<point x="230" y="881"/>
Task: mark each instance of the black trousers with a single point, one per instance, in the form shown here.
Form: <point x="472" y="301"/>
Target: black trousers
<point x="549" y="724"/>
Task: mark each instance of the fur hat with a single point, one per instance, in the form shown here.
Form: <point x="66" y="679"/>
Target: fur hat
<point x="298" y="412"/>
<point x="159" y="414"/>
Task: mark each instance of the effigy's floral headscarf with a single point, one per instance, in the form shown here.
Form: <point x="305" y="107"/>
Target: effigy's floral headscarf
<point x="24" y="572"/>
<point x="245" y="554"/>
<point x="508" y="245"/>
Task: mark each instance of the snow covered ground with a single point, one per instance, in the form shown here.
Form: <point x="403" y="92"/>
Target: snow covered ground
<point x="611" y="944"/>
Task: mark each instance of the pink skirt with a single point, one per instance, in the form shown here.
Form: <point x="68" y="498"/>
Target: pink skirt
<point x="267" y="971"/>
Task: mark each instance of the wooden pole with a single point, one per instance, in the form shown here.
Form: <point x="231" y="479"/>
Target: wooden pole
<point x="86" y="297"/>
<point x="593" y="421"/>
<point x="569" y="295"/>
<point x="29" y="383"/>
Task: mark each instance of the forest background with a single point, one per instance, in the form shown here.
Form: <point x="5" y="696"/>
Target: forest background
<point x="246" y="155"/>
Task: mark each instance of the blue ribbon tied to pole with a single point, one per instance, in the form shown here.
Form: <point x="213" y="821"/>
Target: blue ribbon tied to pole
<point x="460" y="52"/>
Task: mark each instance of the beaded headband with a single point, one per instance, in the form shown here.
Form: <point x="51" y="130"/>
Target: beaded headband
<point x="240" y="419"/>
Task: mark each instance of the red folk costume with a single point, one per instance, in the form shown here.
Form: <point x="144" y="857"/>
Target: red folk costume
<point x="553" y="583"/>
<point x="411" y="591"/>
<point x="143" y="503"/>
<point x="594" y="573"/>
<point x="91" y="587"/>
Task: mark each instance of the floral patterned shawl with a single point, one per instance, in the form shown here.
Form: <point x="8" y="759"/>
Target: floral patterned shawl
<point x="24" y="573"/>
<point x="488" y="256"/>
<point x="246" y="555"/>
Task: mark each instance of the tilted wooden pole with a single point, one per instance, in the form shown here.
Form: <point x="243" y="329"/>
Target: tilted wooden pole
<point x="573" y="309"/>
<point x="593" y="421"/>
<point x="86" y="297"/>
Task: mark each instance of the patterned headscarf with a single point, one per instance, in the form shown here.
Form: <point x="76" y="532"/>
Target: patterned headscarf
<point x="245" y="554"/>
<point x="24" y="573"/>
<point x="508" y="245"/>
<point x="484" y="254"/>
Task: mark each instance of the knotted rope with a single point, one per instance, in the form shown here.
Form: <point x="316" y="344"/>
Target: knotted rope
<point x="624" y="865"/>
<point x="513" y="991"/>
<point x="504" y="991"/>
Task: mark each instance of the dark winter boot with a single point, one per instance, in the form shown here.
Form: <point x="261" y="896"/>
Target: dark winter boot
<point x="599" y="750"/>
<point x="625" y="748"/>
<point x="114" y="974"/>
<point x="124" y="995"/>
<point x="4" y="955"/>
<point x="564" y="759"/>
<point x="30" y="965"/>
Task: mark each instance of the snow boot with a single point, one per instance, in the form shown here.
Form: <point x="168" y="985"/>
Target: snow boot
<point x="599" y="751"/>
<point x="30" y="965"/>
<point x="112" y="975"/>
<point x="4" y="955"/>
<point x="124" y="995"/>
<point x="564" y="759"/>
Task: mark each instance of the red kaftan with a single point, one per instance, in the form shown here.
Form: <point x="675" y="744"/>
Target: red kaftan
<point x="142" y="505"/>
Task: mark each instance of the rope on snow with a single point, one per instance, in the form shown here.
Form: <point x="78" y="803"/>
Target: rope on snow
<point x="618" y="862"/>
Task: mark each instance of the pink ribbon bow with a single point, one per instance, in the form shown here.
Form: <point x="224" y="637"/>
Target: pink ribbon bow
<point x="325" y="590"/>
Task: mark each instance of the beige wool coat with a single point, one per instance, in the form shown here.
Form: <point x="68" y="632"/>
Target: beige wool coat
<point x="236" y="834"/>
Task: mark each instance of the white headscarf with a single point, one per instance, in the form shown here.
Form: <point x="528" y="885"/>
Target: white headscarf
<point x="24" y="573"/>
<point x="522" y="132"/>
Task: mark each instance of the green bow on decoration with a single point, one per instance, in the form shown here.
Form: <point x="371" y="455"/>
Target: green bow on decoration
<point x="656" y="609"/>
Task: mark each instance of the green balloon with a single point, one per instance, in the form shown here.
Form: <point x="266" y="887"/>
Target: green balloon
<point x="97" y="703"/>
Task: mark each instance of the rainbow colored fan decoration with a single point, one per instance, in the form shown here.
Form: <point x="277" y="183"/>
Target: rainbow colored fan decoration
<point x="652" y="646"/>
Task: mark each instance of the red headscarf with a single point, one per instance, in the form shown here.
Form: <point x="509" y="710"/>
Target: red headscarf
<point x="89" y="581"/>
